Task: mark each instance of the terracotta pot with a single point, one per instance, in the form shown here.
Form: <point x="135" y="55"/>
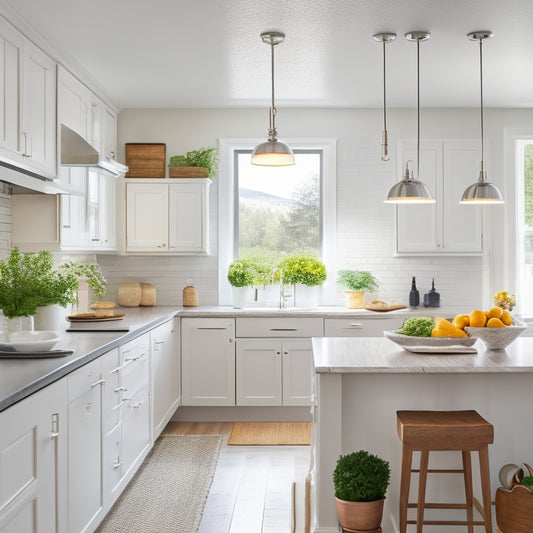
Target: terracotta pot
<point x="354" y="299"/>
<point x="360" y="516"/>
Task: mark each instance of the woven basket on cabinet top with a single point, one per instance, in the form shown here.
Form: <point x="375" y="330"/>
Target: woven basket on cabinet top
<point x="187" y="172"/>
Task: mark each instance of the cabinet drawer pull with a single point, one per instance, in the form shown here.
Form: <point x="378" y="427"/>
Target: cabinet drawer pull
<point x="99" y="382"/>
<point x="283" y="329"/>
<point x="211" y="328"/>
<point x="137" y="405"/>
<point x="355" y="325"/>
<point x="118" y="389"/>
<point x="54" y="434"/>
<point x="117" y="464"/>
<point x="123" y="402"/>
<point x="159" y="342"/>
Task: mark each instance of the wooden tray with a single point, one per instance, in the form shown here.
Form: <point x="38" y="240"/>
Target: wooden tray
<point x="146" y="160"/>
<point x="383" y="307"/>
<point x="84" y="317"/>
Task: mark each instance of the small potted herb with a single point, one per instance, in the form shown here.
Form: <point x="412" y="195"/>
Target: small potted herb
<point x="201" y="163"/>
<point x="361" y="481"/>
<point x="306" y="273"/>
<point x="357" y="282"/>
<point x="243" y="275"/>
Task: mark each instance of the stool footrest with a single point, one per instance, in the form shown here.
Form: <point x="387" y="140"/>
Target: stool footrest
<point x="439" y="505"/>
<point x="448" y="522"/>
<point x="441" y="471"/>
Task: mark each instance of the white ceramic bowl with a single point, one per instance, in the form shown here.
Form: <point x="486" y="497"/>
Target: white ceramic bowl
<point x="498" y="338"/>
<point x="432" y="344"/>
<point x="33" y="341"/>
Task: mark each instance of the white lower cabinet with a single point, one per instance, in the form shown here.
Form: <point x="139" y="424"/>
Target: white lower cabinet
<point x="362" y="327"/>
<point x="274" y="372"/>
<point x="208" y="361"/>
<point x="165" y="371"/>
<point x="85" y="497"/>
<point x="33" y="456"/>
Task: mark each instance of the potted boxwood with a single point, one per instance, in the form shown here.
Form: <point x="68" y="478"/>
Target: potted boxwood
<point x="306" y="273"/>
<point x="246" y="276"/>
<point x="361" y="481"/>
<point x="357" y="282"/>
<point x="201" y="163"/>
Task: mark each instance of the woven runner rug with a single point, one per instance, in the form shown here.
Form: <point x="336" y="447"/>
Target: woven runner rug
<point x="270" y="434"/>
<point x="169" y="491"/>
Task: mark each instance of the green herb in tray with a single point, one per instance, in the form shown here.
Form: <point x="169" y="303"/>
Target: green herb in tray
<point x="417" y="327"/>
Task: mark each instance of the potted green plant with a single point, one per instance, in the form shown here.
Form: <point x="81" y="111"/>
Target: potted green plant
<point x="361" y="481"/>
<point x="357" y="282"/>
<point x="304" y="271"/>
<point x="201" y="163"/>
<point x="246" y="276"/>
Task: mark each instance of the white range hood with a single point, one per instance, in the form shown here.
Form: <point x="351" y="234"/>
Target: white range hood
<point x="77" y="152"/>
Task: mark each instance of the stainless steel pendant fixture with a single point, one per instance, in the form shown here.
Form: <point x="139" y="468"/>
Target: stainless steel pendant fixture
<point x="384" y="38"/>
<point x="482" y="191"/>
<point x="273" y="152"/>
<point x="409" y="190"/>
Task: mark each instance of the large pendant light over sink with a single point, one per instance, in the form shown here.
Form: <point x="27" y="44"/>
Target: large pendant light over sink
<point x="409" y="190"/>
<point x="481" y="192"/>
<point x="273" y="152"/>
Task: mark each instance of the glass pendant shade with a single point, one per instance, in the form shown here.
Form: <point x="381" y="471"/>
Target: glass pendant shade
<point x="273" y="152"/>
<point x="482" y="191"/>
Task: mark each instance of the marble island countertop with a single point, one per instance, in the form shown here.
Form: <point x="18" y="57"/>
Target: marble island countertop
<point x="380" y="355"/>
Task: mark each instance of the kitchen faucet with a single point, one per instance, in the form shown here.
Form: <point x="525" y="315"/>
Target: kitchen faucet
<point x="281" y="286"/>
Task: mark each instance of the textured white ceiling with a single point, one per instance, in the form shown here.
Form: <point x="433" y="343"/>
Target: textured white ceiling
<point x="208" y="53"/>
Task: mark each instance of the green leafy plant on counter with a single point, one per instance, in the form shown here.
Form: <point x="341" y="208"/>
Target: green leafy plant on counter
<point x="88" y="271"/>
<point x="29" y="281"/>
<point x="357" y="280"/>
<point x="303" y="269"/>
<point x="246" y="273"/>
<point x="361" y="477"/>
<point x="417" y="327"/>
<point x="527" y="482"/>
<point x="203" y="157"/>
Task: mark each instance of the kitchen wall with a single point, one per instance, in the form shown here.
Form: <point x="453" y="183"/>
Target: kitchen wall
<point x="365" y="225"/>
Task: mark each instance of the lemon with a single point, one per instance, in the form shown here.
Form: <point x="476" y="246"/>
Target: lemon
<point x="461" y="321"/>
<point x="495" y="323"/>
<point x="444" y="328"/>
<point x="495" y="312"/>
<point x="506" y="318"/>
<point x="477" y="319"/>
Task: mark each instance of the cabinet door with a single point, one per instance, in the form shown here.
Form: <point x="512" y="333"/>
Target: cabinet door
<point x="39" y="109"/>
<point x="412" y="234"/>
<point x="11" y="53"/>
<point x="258" y="371"/>
<point x="109" y="132"/>
<point x="74" y="104"/>
<point x="165" y="372"/>
<point x="146" y="217"/>
<point x="208" y="361"/>
<point x="188" y="217"/>
<point x="33" y="462"/>
<point x="74" y="229"/>
<point x="101" y="196"/>
<point x="297" y="371"/>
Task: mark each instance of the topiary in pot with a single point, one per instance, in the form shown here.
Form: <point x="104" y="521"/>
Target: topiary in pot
<point x="191" y="163"/>
<point x="361" y="481"/>
<point x="303" y="269"/>
<point x="356" y="282"/>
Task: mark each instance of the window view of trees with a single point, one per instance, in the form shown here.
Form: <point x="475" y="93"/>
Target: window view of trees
<point x="528" y="203"/>
<point x="281" y="216"/>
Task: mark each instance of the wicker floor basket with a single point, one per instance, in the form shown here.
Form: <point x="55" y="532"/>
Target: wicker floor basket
<point x="187" y="172"/>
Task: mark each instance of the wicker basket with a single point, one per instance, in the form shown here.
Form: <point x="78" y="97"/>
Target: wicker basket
<point x="190" y="297"/>
<point x="497" y="338"/>
<point x="145" y="160"/>
<point x="187" y="172"/>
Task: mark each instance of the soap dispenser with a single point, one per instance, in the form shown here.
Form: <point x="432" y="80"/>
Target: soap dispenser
<point x="432" y="298"/>
<point x="414" y="295"/>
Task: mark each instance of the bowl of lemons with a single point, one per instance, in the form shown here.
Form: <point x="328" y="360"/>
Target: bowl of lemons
<point x="497" y="328"/>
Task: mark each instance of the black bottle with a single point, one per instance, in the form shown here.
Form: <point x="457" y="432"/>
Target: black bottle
<point x="432" y="298"/>
<point x="414" y="296"/>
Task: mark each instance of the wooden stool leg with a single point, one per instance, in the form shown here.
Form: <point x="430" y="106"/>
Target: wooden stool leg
<point x="469" y="493"/>
<point x="424" y="459"/>
<point x="485" y="486"/>
<point x="405" y="482"/>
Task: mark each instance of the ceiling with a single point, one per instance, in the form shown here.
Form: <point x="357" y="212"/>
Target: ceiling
<point x="208" y="53"/>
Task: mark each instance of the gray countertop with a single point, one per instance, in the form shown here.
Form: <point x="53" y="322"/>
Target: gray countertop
<point x="20" y="378"/>
<point x="380" y="355"/>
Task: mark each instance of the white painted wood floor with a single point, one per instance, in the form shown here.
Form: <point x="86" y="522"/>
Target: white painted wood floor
<point x="252" y="490"/>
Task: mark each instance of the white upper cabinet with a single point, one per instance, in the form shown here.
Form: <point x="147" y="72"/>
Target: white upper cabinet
<point x="74" y="104"/>
<point x="109" y="133"/>
<point x="27" y="102"/>
<point x="167" y="218"/>
<point x="446" y="227"/>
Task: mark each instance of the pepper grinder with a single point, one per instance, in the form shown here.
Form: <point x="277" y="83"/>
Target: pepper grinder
<point x="432" y="298"/>
<point x="414" y="295"/>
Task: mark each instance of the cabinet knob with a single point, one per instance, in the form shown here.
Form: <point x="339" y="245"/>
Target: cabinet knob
<point x="230" y="340"/>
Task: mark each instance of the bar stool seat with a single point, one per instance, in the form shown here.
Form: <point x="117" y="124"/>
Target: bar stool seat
<point x="426" y="431"/>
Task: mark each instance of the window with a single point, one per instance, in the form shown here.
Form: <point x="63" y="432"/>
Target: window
<point x="270" y="212"/>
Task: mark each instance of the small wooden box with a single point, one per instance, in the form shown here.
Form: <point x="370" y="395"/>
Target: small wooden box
<point x="145" y="160"/>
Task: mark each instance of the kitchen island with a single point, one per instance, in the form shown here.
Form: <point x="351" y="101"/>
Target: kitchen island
<point x="360" y="383"/>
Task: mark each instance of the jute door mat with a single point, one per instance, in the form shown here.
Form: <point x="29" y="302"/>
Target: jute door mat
<point x="270" y="434"/>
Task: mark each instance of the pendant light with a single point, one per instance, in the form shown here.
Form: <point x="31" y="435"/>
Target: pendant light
<point x="273" y="152"/>
<point x="482" y="191"/>
<point x="409" y="190"/>
<point x="384" y="38"/>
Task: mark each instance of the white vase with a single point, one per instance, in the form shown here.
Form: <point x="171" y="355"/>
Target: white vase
<point x="308" y="297"/>
<point x="51" y="317"/>
<point x="12" y="325"/>
<point x="240" y="296"/>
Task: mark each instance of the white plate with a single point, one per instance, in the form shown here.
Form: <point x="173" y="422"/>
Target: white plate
<point x="433" y="345"/>
<point x="33" y="341"/>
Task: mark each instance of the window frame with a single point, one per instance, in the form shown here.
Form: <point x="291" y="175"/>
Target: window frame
<point x="226" y="211"/>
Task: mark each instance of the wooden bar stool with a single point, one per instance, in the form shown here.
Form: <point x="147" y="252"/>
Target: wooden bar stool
<point x="426" y="431"/>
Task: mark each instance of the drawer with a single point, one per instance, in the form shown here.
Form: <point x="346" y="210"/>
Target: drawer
<point x="361" y="327"/>
<point x="134" y="374"/>
<point x="135" y="349"/>
<point x="279" y="327"/>
<point x="83" y="379"/>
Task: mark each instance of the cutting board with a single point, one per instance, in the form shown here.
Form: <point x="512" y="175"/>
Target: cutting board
<point x="380" y="307"/>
